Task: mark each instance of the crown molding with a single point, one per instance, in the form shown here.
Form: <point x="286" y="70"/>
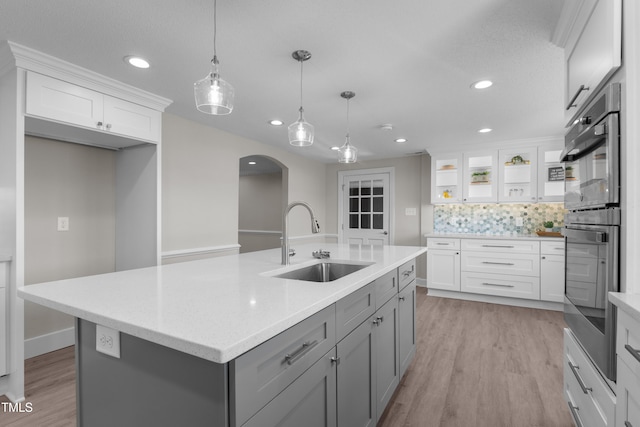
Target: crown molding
<point x="15" y="55"/>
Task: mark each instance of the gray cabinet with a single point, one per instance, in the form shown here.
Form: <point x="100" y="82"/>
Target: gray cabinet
<point x="261" y="374"/>
<point x="386" y="287"/>
<point x="407" y="326"/>
<point x="354" y="309"/>
<point x="310" y="401"/>
<point x="356" y="372"/>
<point x="386" y="350"/>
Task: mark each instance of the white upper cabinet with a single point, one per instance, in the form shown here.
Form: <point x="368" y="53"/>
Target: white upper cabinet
<point x="593" y="52"/>
<point x="62" y="102"/>
<point x="480" y="176"/>
<point x="446" y="178"/>
<point x="518" y="175"/>
<point x="550" y="173"/>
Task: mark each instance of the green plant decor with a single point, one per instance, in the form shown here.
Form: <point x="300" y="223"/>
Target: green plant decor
<point x="548" y="224"/>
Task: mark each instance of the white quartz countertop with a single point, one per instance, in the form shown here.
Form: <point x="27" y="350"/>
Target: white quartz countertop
<point x="490" y="236"/>
<point x="216" y="308"/>
<point x="630" y="303"/>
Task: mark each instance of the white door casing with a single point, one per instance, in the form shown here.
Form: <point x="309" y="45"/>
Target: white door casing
<point x="365" y="206"/>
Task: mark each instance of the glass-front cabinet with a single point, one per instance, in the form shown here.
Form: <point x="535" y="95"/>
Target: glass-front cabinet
<point x="446" y="178"/>
<point x="518" y="173"/>
<point x="480" y="176"/>
<point x="551" y="175"/>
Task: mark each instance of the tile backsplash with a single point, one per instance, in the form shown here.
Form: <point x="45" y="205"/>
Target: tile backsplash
<point x="499" y="219"/>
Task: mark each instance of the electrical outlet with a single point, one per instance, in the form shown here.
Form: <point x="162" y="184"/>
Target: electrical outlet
<point x="63" y="223"/>
<point x="108" y="341"/>
<point x="519" y="221"/>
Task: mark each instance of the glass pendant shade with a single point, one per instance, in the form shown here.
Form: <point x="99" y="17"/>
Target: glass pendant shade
<point x="348" y="153"/>
<point x="214" y="95"/>
<point x="301" y="132"/>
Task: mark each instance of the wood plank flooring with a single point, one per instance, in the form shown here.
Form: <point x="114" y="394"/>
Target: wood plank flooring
<point x="480" y="364"/>
<point x="476" y="364"/>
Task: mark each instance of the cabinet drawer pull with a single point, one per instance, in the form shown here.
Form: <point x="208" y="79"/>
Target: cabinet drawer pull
<point x="627" y="424"/>
<point x="378" y="320"/>
<point x="400" y="298"/>
<point x="306" y="348"/>
<point x="442" y="244"/>
<point x="497" y="263"/>
<point x="574" y="413"/>
<point x="335" y="360"/>
<point x="574" y="369"/>
<point x="407" y="273"/>
<point x="635" y="353"/>
<point x="497" y="284"/>
<point x="497" y="246"/>
<point x="578" y="92"/>
<point x="99" y="125"/>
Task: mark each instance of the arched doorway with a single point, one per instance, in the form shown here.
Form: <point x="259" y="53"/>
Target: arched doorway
<point x="262" y="197"/>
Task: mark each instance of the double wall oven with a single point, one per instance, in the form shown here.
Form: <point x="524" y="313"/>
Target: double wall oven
<point x="592" y="226"/>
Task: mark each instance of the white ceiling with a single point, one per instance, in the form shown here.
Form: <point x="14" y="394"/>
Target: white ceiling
<point x="410" y="63"/>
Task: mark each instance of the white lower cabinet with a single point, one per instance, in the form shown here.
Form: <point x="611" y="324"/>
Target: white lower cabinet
<point x="628" y="370"/>
<point x="443" y="264"/>
<point x="514" y="268"/>
<point x="591" y="402"/>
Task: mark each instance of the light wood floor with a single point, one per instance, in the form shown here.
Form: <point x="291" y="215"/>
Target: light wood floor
<point x="476" y="364"/>
<point x="480" y="364"/>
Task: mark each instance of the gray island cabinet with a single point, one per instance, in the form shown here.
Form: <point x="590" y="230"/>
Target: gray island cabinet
<point x="338" y="366"/>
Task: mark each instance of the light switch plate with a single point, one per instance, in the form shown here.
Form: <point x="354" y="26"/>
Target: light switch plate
<point x="108" y="341"/>
<point x="63" y="223"/>
<point x="410" y="211"/>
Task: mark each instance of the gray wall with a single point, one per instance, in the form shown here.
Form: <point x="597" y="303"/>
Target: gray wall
<point x="78" y="182"/>
<point x="260" y="208"/>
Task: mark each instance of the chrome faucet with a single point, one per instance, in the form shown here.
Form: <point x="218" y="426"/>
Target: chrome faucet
<point x="315" y="228"/>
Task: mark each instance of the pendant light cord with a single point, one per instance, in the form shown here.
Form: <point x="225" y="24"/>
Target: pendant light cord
<point x="215" y="32"/>
<point x="301" y="74"/>
<point x="348" y="99"/>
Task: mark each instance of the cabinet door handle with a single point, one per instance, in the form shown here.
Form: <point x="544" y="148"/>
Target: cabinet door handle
<point x="378" y="320"/>
<point x="574" y="413"/>
<point x="498" y="246"/>
<point x="633" y="352"/>
<point x="335" y="360"/>
<point x="577" y="94"/>
<point x="296" y="355"/>
<point x="497" y="284"/>
<point x="544" y="257"/>
<point x="108" y="126"/>
<point x="497" y="263"/>
<point x="99" y="125"/>
<point x="400" y="298"/>
<point x="574" y="369"/>
<point x="627" y="424"/>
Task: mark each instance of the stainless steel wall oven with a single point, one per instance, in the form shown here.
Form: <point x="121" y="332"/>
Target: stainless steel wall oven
<point x="592" y="226"/>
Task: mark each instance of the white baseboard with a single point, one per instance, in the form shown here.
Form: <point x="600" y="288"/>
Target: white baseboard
<point x="49" y="342"/>
<point x="421" y="282"/>
<point x="517" y="302"/>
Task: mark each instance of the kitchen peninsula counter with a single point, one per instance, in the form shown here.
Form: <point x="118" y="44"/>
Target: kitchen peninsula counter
<point x="215" y="309"/>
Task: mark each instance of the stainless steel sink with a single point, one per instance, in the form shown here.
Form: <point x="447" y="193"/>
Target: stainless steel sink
<point x="322" y="272"/>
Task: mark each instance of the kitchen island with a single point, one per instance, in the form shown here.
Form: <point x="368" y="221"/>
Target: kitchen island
<point x="223" y="342"/>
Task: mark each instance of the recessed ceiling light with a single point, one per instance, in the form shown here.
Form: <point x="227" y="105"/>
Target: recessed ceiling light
<point x="276" y="122"/>
<point x="485" y="130"/>
<point x="136" y="61"/>
<point x="252" y="163"/>
<point x="335" y="148"/>
<point x="482" y="84"/>
<point x="401" y="140"/>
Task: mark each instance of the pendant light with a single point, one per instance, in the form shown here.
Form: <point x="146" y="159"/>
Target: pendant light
<point x="214" y="95"/>
<point x="348" y="153"/>
<point x="301" y="132"/>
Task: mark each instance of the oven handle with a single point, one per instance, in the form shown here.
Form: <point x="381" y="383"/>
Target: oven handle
<point x="585" y="235"/>
<point x="584" y="143"/>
